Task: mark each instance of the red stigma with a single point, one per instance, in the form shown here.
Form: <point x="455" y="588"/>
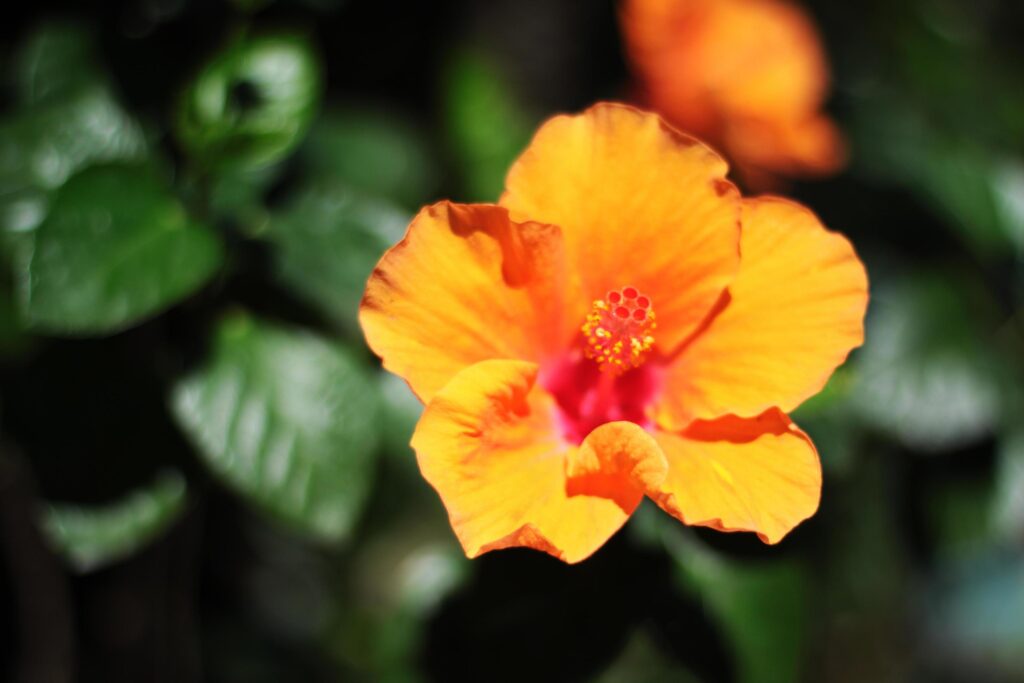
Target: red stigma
<point x="618" y="330"/>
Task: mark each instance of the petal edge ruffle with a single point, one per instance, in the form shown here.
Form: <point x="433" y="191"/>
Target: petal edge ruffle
<point x="467" y="284"/>
<point x="489" y="445"/>
<point x="795" y="311"/>
<point x="618" y="461"/>
<point x="732" y="474"/>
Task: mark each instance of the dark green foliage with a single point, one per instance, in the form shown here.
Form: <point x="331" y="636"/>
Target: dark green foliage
<point x="327" y="239"/>
<point x="91" y="537"/>
<point x="288" y="420"/>
<point x="251" y="103"/>
<point x="116" y="246"/>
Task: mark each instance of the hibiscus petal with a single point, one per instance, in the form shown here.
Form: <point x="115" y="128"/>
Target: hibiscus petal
<point x="771" y="61"/>
<point x="618" y="461"/>
<point x="801" y="147"/>
<point x="734" y="474"/>
<point x="639" y="204"/>
<point x="467" y="284"/>
<point x="748" y="76"/>
<point x="489" y="445"/>
<point x="795" y="311"/>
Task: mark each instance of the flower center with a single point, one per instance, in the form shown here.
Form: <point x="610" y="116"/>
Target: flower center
<point x="588" y="398"/>
<point x="617" y="331"/>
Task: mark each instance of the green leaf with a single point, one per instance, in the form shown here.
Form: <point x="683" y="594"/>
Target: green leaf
<point x="487" y="127"/>
<point x="1008" y="503"/>
<point x="67" y="118"/>
<point x="968" y="185"/>
<point x="91" y="537"/>
<point x="42" y="146"/>
<point x="760" y="607"/>
<point x="251" y="104"/>
<point x="55" y="61"/>
<point x="974" y="188"/>
<point x="328" y="239"/>
<point x="927" y="375"/>
<point x="374" y="152"/>
<point x="116" y="247"/>
<point x="287" y="420"/>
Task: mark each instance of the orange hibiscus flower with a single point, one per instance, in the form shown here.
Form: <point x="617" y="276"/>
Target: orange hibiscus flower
<point x="620" y="324"/>
<point x="748" y="76"/>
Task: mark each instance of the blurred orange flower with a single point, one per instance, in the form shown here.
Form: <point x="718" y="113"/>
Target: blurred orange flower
<point x="596" y="337"/>
<point x="748" y="76"/>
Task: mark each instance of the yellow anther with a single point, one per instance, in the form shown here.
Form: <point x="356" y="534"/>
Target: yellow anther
<point x="617" y="330"/>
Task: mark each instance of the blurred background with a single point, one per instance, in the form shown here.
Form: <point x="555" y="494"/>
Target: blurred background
<point x="204" y="475"/>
